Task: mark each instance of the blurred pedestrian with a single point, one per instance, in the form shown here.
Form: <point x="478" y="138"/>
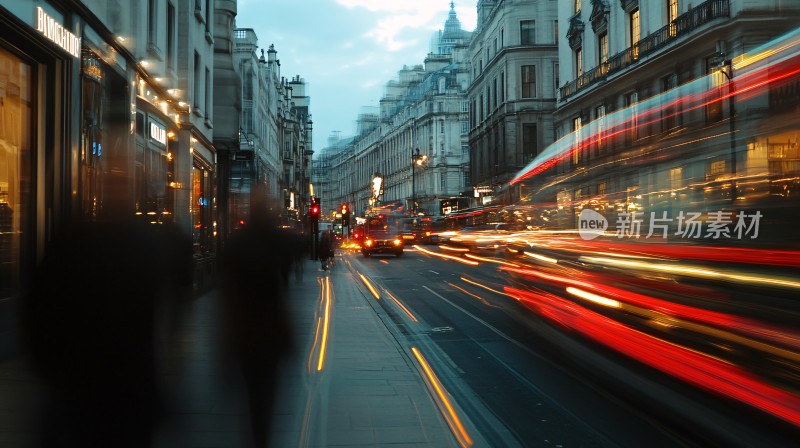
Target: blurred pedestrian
<point x="325" y="249"/>
<point x="90" y="326"/>
<point x="256" y="324"/>
<point x="300" y="253"/>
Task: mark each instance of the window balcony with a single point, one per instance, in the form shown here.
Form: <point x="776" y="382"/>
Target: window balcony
<point x="681" y="27"/>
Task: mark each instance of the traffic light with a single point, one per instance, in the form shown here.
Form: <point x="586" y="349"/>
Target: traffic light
<point x="345" y="214"/>
<point x="314" y="211"/>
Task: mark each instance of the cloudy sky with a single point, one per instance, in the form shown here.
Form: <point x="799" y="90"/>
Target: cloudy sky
<point x="347" y="50"/>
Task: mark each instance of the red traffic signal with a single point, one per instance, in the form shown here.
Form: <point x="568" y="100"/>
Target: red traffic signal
<point x="315" y="210"/>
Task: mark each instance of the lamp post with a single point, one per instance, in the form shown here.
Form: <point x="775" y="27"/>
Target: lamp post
<point x="416" y="160"/>
<point x="377" y="188"/>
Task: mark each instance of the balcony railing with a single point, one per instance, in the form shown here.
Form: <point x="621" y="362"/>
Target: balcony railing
<point x="682" y="26"/>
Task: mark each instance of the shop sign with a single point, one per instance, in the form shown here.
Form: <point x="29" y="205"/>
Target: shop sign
<point x="482" y="190"/>
<point x="56" y="33"/>
<point x="158" y="133"/>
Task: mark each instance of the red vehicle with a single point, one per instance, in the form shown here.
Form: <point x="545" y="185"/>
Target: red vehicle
<point x="377" y="236"/>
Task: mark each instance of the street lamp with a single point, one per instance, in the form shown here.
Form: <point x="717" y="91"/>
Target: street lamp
<point x="416" y="160"/>
<point x="377" y="188"/>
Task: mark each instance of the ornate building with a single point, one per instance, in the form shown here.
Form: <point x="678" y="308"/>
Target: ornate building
<point x="512" y="92"/>
<point x="423" y="115"/>
<point x="670" y="106"/>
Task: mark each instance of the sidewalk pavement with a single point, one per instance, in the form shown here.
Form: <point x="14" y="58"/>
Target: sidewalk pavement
<point x="366" y="392"/>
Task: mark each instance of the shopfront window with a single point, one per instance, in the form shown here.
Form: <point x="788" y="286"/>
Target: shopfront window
<point x="15" y="170"/>
<point x="93" y="141"/>
<point x="106" y="166"/>
<point x="201" y="210"/>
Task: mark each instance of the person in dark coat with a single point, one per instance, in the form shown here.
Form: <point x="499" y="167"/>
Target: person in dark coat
<point x="255" y="319"/>
<point x="325" y="249"/>
<point x="90" y="327"/>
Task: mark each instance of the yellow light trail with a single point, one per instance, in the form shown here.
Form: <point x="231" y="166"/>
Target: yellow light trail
<point x="472" y="282"/>
<point x="370" y="287"/>
<point x="449" y="257"/>
<point x="696" y="271"/>
<point x="541" y="257"/>
<point x="448" y="411"/>
<point x="314" y="345"/>
<point x="454" y="249"/>
<point x="490" y="260"/>
<point x="481" y="299"/>
<point x="400" y="305"/>
<point x="326" y="324"/>
<point x="605" y="301"/>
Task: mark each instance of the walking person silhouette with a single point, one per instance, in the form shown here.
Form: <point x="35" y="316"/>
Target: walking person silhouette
<point x="90" y="322"/>
<point x="255" y="321"/>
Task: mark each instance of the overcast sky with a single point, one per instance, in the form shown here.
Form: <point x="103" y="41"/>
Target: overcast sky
<point x="347" y="50"/>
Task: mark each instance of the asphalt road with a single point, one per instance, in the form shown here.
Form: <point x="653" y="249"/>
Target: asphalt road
<point x="521" y="380"/>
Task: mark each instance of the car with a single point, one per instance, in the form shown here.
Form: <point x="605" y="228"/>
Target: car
<point x="381" y="242"/>
<point x="379" y="238"/>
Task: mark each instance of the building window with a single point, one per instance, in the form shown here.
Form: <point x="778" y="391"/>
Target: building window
<point x="578" y="62"/>
<point x="675" y="180"/>
<point x="442" y="182"/>
<point x="170" y="37"/>
<point x="16" y="163"/>
<point x="555" y="32"/>
<point x="200" y="210"/>
<point x="634" y="31"/>
<point x="576" y="152"/>
<point x="672" y="14"/>
<point x="207" y="99"/>
<point x="527" y="32"/>
<point x="602" y="47"/>
<point x="670" y="110"/>
<point x="441" y="127"/>
<point x="208" y="14"/>
<point x="631" y="100"/>
<point x="152" y="22"/>
<point x="528" y="81"/>
<point x="494" y="91"/>
<point x="556" y="80"/>
<point x="717" y="168"/>
<point x="502" y="86"/>
<point x="197" y="79"/>
<point x="716" y="80"/>
<point x="464" y="127"/>
<point x="600" y="116"/>
<point x="530" y="146"/>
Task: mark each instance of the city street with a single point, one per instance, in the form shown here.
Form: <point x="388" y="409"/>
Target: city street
<point x="417" y="350"/>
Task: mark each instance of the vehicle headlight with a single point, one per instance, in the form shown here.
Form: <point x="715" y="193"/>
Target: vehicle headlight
<point x="397" y="242"/>
<point x="368" y="243"/>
